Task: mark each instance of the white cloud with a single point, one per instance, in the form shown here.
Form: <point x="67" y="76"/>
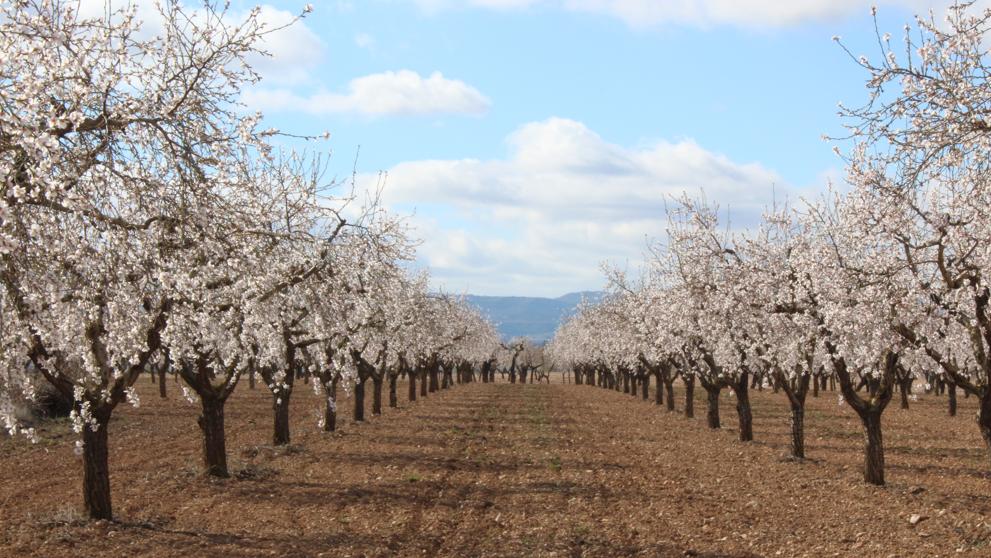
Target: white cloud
<point x="295" y="50"/>
<point x="389" y="93"/>
<point x="699" y="13"/>
<point x="541" y="220"/>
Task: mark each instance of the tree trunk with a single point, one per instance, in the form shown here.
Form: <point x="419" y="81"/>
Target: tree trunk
<point x="658" y="390"/>
<point x="433" y="379"/>
<point x="798" y="429"/>
<point x="873" y="447"/>
<point x="411" y="388"/>
<point x="161" y="382"/>
<point x="669" y="385"/>
<point x="903" y="388"/>
<point x="645" y="387"/>
<point x="280" y="436"/>
<point x="359" y="400"/>
<point x="690" y="396"/>
<point x="376" y="396"/>
<point x="251" y="378"/>
<point x="743" y="411"/>
<point x="984" y="418"/>
<point x="330" y="413"/>
<point x="393" y="395"/>
<point x="815" y="387"/>
<point x="951" y="396"/>
<point x="211" y="423"/>
<point x="423" y="383"/>
<point x="712" y="414"/>
<point x="96" y="470"/>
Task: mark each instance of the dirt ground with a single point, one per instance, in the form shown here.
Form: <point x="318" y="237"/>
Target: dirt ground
<point x="507" y="470"/>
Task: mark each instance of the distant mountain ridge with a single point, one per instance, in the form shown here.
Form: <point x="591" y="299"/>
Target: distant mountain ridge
<point x="536" y="318"/>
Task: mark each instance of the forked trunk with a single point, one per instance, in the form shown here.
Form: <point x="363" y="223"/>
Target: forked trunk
<point x="96" y="469"/>
<point x="211" y="423"/>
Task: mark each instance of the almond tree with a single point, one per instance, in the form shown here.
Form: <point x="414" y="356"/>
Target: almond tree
<point x="107" y="142"/>
<point x="919" y="163"/>
<point x="707" y="273"/>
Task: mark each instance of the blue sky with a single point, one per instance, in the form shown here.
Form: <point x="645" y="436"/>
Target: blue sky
<point x="531" y="140"/>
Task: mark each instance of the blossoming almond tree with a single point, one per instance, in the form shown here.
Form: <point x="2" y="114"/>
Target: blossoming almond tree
<point x="108" y="141"/>
<point x="919" y="163"/>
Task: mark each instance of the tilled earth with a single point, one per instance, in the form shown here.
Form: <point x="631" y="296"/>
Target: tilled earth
<point x="508" y="470"/>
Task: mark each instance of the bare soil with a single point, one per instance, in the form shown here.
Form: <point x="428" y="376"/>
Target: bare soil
<point x="507" y="470"/>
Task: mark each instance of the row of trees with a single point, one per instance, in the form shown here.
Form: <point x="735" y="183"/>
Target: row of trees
<point x="875" y="284"/>
<point x="148" y="223"/>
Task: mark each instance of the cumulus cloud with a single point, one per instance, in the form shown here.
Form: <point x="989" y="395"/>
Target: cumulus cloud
<point x="389" y="93"/>
<point x="541" y="220"/>
<point x="702" y="13"/>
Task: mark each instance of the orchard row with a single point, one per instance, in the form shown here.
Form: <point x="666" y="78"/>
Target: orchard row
<point x="147" y="223"/>
<point x="881" y="281"/>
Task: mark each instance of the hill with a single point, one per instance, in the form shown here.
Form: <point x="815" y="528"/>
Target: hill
<point x="534" y="317"/>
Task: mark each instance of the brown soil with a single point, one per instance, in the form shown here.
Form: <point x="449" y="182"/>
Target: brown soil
<point x="507" y="470"/>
